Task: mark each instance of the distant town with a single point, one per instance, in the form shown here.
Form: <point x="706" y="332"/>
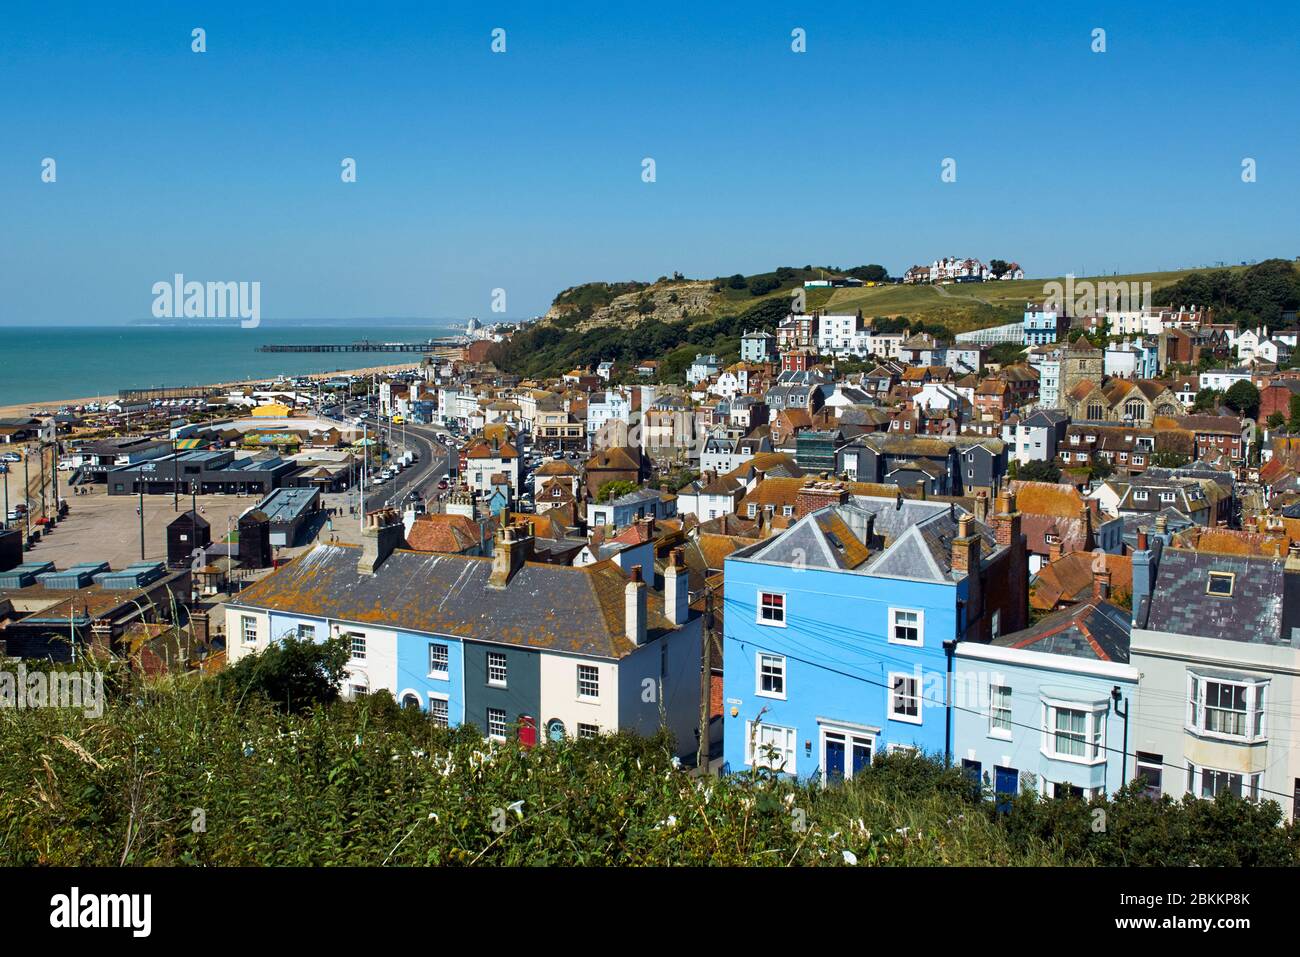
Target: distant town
<point x="1059" y="554"/>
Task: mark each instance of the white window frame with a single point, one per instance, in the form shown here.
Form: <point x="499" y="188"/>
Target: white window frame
<point x="306" y="632"/>
<point x="851" y="737"/>
<point x="1256" y="707"/>
<point x="755" y="749"/>
<point x="782" y="675"/>
<point x="920" y="627"/>
<point x="1157" y="766"/>
<point x="916" y="694"/>
<point x="995" y="720"/>
<point x="445" y="701"/>
<point x="1094" y="730"/>
<point x="353" y="638"/>
<point x="781" y="623"/>
<point x="244" y="622"/>
<point x="1251" y="783"/>
<point x="584" y="696"/>
<point x="505" y="723"/>
<point x="503" y="667"/>
<point x="446" y="658"/>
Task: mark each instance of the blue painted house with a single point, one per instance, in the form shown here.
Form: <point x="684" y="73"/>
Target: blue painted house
<point x="1046" y="707"/>
<point x="834" y="630"/>
<point x="518" y="647"/>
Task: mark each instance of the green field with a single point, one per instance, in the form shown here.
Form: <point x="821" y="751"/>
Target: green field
<point x="964" y="306"/>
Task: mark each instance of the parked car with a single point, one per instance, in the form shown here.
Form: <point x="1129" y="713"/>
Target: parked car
<point x="11" y="457"/>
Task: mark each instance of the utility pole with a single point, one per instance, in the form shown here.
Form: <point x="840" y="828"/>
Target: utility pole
<point x="140" y="489"/>
<point x="706" y="681"/>
<point x="176" y="479"/>
<point x="54" y="472"/>
<point x="40" y="450"/>
<point x="27" y="512"/>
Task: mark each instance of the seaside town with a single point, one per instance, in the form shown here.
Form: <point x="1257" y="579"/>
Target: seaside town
<point x="1061" y="554"/>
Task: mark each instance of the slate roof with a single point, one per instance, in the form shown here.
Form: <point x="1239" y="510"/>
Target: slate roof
<point x="550" y="607"/>
<point x="917" y="538"/>
<point x="1094" y="630"/>
<point x="1069" y="579"/>
<point x="1253" y="613"/>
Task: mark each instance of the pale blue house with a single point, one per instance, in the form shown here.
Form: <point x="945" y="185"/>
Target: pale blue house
<point x="838" y="632"/>
<point x="1048" y="707"/>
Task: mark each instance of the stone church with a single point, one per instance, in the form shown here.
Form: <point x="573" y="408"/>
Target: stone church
<point x="1087" y="394"/>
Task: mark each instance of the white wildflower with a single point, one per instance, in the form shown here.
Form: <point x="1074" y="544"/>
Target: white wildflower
<point x="849" y="857"/>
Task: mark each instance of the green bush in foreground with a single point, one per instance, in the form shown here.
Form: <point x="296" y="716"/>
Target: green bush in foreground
<point x="202" y="772"/>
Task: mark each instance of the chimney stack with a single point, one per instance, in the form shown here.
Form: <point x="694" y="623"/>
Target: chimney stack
<point x="634" y="594"/>
<point x="1141" y="540"/>
<point x="514" y="546"/>
<point x="817" y="494"/>
<point x="383" y="533"/>
<point x="1054" y="550"/>
<point x="1006" y="521"/>
<point x="1100" y="580"/>
<point x="676" y="589"/>
<point x="965" y="548"/>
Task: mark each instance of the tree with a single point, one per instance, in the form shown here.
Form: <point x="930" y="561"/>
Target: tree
<point x="1243" y="398"/>
<point x="1169" y="460"/>
<point x="1207" y="400"/>
<point x="293" y="674"/>
<point x="999" y="266"/>
<point x="1276" y="420"/>
<point x="613" y="489"/>
<point x="1038" y="472"/>
<point x="1293" y="407"/>
<point x="736" y="282"/>
<point x="870" y="273"/>
<point x="1100" y="470"/>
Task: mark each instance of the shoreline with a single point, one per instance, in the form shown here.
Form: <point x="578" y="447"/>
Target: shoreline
<point x="18" y="409"/>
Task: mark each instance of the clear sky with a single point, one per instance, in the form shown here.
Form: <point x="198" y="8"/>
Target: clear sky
<point x="523" y="170"/>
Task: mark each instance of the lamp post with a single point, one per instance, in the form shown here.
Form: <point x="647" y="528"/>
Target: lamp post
<point x="27" y="512"/>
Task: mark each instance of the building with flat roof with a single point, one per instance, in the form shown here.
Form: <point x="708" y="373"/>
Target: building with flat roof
<point x="288" y="510"/>
<point x="205" y="473"/>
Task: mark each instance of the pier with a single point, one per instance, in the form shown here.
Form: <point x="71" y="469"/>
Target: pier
<point x="364" y="345"/>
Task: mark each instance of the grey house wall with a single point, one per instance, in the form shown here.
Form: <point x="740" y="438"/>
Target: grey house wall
<point x="522" y="694"/>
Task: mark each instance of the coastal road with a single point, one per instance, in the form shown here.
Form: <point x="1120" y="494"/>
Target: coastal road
<point x="422" y="477"/>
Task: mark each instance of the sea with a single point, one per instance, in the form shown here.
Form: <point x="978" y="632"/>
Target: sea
<point x="43" y="363"/>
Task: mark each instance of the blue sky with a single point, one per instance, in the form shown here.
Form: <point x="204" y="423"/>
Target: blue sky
<point x="522" y="170"/>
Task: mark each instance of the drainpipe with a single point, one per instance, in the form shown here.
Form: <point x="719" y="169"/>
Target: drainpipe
<point x="1123" y="774"/>
<point x="949" y="646"/>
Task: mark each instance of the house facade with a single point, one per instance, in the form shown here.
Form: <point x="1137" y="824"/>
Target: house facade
<point x="835" y="630"/>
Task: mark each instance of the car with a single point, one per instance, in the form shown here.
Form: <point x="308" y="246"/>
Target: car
<point x="443" y="483"/>
<point x="11" y="457"/>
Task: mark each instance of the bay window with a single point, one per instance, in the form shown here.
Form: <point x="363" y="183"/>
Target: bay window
<point x="1222" y="707"/>
<point x="1074" y="731"/>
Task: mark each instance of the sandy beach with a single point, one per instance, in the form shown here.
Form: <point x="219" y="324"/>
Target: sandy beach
<point x="52" y="405"/>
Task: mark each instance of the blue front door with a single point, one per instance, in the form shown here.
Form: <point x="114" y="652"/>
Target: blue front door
<point x="1006" y="782"/>
<point x="834" y="759"/>
<point x="861" y="756"/>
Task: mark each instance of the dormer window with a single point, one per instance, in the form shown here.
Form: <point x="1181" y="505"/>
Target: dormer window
<point x="1220" y="584"/>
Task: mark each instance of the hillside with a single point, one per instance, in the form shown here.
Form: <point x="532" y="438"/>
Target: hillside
<point x="673" y="318"/>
